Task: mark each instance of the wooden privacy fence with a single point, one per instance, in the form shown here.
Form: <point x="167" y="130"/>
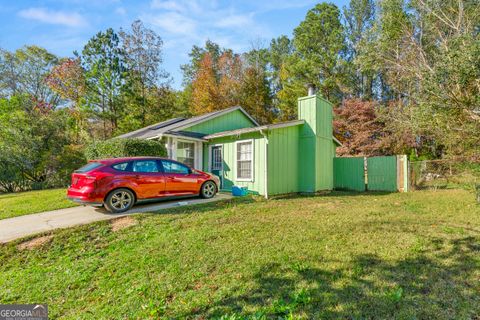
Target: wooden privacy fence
<point x="389" y="173"/>
<point x="349" y="174"/>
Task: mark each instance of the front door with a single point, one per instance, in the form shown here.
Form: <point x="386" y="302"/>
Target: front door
<point x="216" y="163"/>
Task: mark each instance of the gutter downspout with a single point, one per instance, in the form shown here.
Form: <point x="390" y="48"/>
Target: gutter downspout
<point x="266" y="163"/>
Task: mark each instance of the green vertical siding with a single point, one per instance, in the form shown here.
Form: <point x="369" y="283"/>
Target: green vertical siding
<point x="229" y="161"/>
<point x="324" y="119"/>
<point x="206" y="156"/>
<point x="283" y="159"/>
<point x="315" y="144"/>
<point x="229" y="121"/>
<point x="306" y="164"/>
<point x="324" y="164"/>
<point x="300" y="158"/>
<point x="349" y="174"/>
<point x="307" y="110"/>
<point x="382" y="173"/>
<point x="324" y="159"/>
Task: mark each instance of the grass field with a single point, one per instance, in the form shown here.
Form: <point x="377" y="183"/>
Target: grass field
<point x="355" y="256"/>
<point x="19" y="204"/>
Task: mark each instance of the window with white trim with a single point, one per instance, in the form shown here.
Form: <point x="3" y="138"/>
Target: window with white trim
<point x="186" y="153"/>
<point x="245" y="160"/>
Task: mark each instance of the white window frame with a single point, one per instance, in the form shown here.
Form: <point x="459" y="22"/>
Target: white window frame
<point x="199" y="155"/>
<point x="195" y="151"/>
<point x="252" y="164"/>
<point x="173" y="148"/>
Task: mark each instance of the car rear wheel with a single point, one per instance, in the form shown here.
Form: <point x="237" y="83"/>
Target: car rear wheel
<point x="209" y="189"/>
<point x="119" y="200"/>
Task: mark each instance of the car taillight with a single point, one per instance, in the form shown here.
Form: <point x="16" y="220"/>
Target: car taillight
<point x="92" y="180"/>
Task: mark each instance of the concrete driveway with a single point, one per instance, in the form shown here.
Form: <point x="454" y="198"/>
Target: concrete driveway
<point x="19" y="227"/>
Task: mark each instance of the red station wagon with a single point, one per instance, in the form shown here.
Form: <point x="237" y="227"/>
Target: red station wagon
<point x="121" y="182"/>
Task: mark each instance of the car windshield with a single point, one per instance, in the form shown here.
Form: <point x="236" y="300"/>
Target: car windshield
<point x="89" y="167"/>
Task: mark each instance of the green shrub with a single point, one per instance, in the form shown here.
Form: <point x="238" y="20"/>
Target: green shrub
<point x="11" y="177"/>
<point x="115" y="148"/>
<point x="71" y="158"/>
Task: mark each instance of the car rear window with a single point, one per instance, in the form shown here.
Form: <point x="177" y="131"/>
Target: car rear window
<point x="89" y="167"/>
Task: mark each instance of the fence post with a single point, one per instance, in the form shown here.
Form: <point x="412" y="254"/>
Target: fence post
<point x="402" y="173"/>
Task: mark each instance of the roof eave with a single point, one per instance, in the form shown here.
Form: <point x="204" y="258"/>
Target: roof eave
<point x="176" y="136"/>
<point x="337" y="141"/>
<point x="248" y="115"/>
<point x="131" y="134"/>
<point x="254" y="129"/>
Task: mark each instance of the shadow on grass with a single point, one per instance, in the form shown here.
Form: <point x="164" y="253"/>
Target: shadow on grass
<point x="204" y="207"/>
<point x="441" y="283"/>
<point x="143" y="207"/>
<point x="335" y="193"/>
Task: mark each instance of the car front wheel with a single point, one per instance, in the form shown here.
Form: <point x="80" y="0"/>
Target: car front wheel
<point x="119" y="200"/>
<point x="209" y="189"/>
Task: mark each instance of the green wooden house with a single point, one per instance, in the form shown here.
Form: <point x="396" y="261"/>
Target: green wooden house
<point x="286" y="157"/>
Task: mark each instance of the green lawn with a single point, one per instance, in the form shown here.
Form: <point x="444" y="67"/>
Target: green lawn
<point x="19" y="204"/>
<point x="367" y="256"/>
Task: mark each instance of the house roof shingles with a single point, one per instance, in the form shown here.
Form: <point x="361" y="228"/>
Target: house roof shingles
<point x="175" y="126"/>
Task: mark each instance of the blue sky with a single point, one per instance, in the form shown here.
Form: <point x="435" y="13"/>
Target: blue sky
<point x="63" y="26"/>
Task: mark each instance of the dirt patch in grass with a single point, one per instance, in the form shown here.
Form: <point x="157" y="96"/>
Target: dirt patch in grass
<point x="328" y="204"/>
<point x="122" y="223"/>
<point x="34" y="243"/>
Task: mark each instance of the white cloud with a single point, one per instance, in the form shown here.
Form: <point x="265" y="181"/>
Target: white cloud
<point x="121" y="11"/>
<point x="173" y="22"/>
<point x="70" y="19"/>
<point x="235" y="21"/>
<point x="167" y="5"/>
<point x="200" y="19"/>
<point x="184" y="23"/>
<point x="181" y="5"/>
<point x="273" y="5"/>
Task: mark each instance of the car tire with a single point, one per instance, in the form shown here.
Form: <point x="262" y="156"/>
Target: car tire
<point x="208" y="190"/>
<point x="119" y="200"/>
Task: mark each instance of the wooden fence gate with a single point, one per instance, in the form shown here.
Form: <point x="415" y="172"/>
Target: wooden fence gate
<point x="389" y="173"/>
<point x="382" y="173"/>
<point x="349" y="173"/>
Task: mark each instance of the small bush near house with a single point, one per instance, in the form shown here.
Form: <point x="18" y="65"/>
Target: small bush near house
<point x="19" y="174"/>
<point x="115" y="148"/>
<point x="71" y="158"/>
